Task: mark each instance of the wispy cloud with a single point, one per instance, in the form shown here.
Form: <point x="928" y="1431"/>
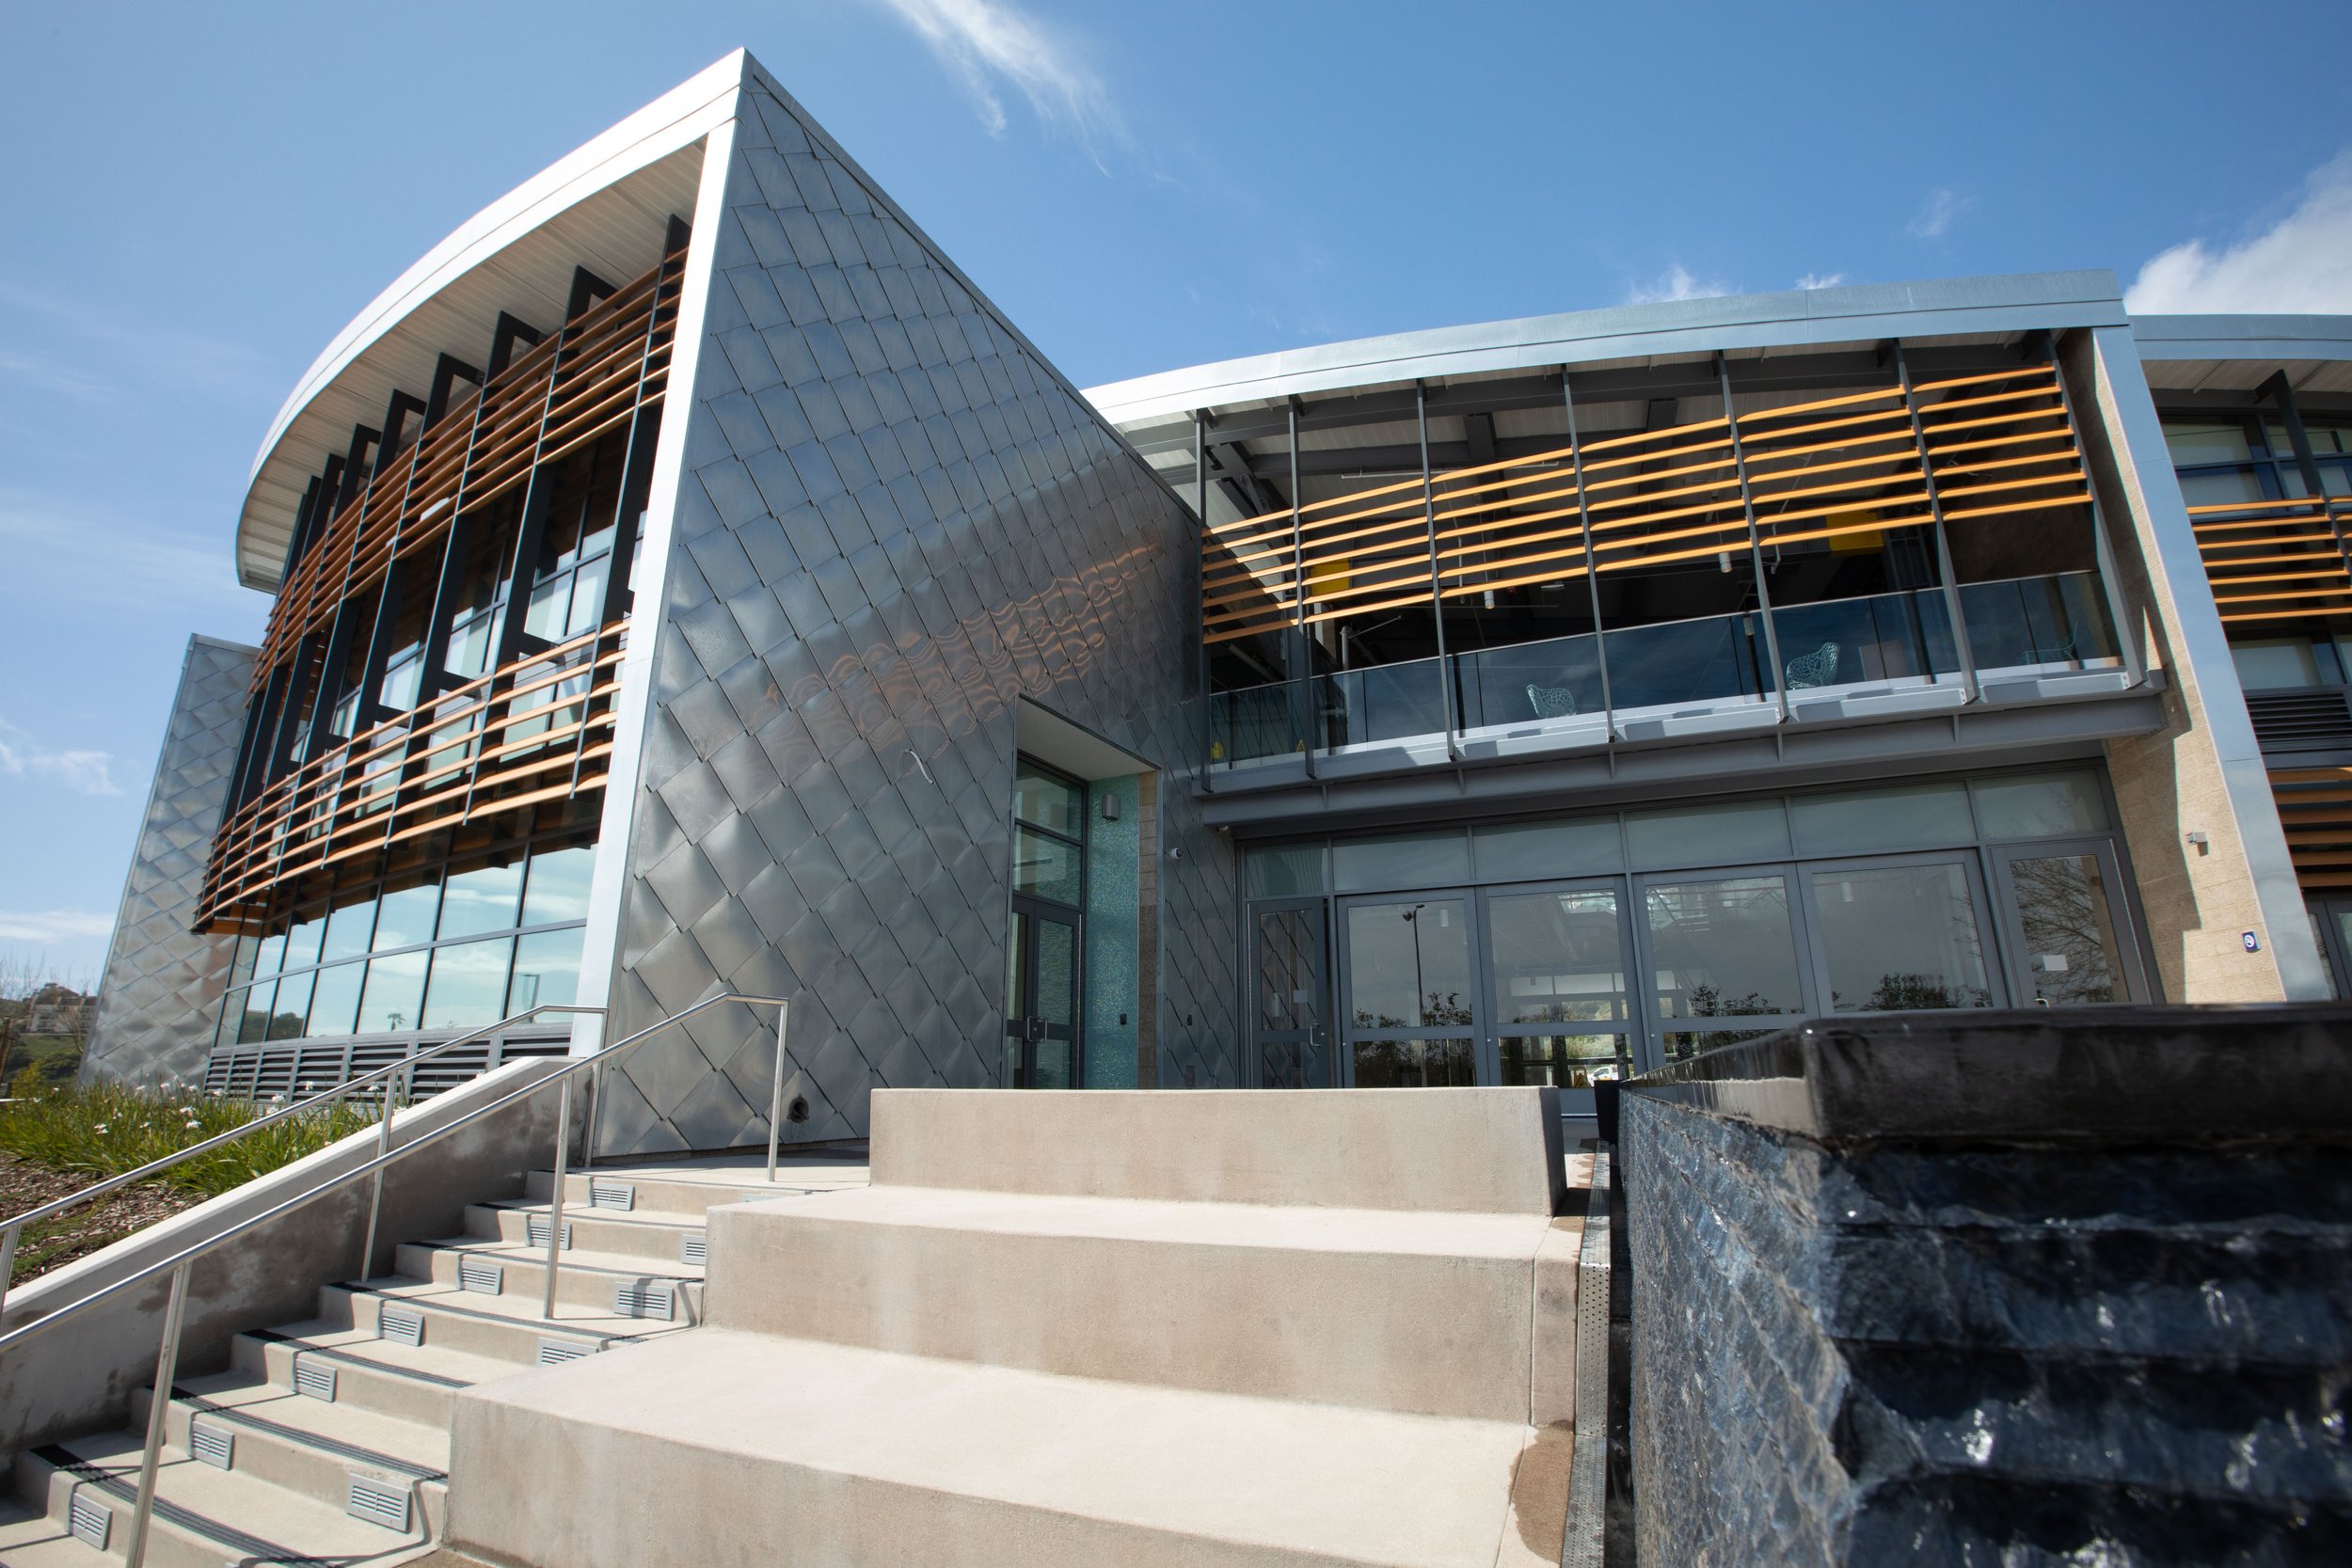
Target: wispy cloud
<point x="97" y="559"/>
<point x="990" y="45"/>
<point x="1821" y="280"/>
<point x="113" y="354"/>
<point x="2303" y="262"/>
<point x="46" y="926"/>
<point x="1676" y="282"/>
<point x="23" y="757"/>
<point x="1938" y="213"/>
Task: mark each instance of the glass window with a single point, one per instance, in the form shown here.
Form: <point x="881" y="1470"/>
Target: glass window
<point x="347" y="931"/>
<point x="1708" y="835"/>
<point x="302" y="942"/>
<point x="2049" y="805"/>
<point x="558" y="888"/>
<point x="1560" y="1061"/>
<point x="291" y="1009"/>
<point x="1556" y="957"/>
<point x="2271" y="663"/>
<point x="2193" y="444"/>
<point x="1723" y="948"/>
<point x="469" y="984"/>
<point x="1408" y="965"/>
<point x="547" y="970"/>
<point x="387" y="1004"/>
<point x="1047" y="802"/>
<point x="1290" y="868"/>
<point x="1865" y="821"/>
<point x="405" y="918"/>
<point x="271" y="958"/>
<point x="481" y="900"/>
<point x="1413" y="860"/>
<point x="2072" y="955"/>
<point x="1899" y="937"/>
<point x="241" y="962"/>
<point x="253" y="1022"/>
<point x="1414" y="1064"/>
<point x="1523" y="851"/>
<point x="1047" y="868"/>
<point x="335" y="1000"/>
<point x="2225" y="487"/>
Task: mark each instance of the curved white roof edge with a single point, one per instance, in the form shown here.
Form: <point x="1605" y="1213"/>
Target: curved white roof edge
<point x="1795" y="316"/>
<point x="677" y="119"/>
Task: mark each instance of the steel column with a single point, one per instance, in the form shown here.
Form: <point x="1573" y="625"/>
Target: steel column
<point x="1756" y="550"/>
<point x="1436" y="596"/>
<point x="1968" y="683"/>
<point x="1592" y="566"/>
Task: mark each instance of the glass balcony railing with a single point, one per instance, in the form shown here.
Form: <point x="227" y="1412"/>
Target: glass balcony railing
<point x="1886" y="639"/>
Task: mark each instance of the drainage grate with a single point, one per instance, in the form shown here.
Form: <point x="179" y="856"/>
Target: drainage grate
<point x="315" y="1380"/>
<point x="379" y="1502"/>
<point x="399" y="1324"/>
<point x="481" y="1276"/>
<point x="214" y="1445"/>
<point x="694" y="1249"/>
<point x="554" y="1353"/>
<point x="88" y="1520"/>
<point x="539" y="1225"/>
<point x="611" y="1195"/>
<point x="643" y="1300"/>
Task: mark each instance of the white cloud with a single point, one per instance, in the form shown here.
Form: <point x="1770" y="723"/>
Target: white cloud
<point x="96" y="558"/>
<point x="1821" y="280"/>
<point x="2302" y="263"/>
<point x="1937" y="214"/>
<point x="987" y="44"/>
<point x="52" y="924"/>
<point x="84" y="773"/>
<point x="1675" y="282"/>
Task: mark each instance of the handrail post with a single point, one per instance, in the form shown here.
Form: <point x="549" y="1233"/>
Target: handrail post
<point x="555" y="1193"/>
<point x="8" y="1257"/>
<point x="375" y="1195"/>
<point x="158" y="1411"/>
<point x="775" y="1092"/>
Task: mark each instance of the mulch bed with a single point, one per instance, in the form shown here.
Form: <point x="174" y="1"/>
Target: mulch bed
<point x="79" y="1231"/>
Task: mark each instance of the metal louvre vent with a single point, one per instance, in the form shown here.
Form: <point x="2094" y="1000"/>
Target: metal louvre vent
<point x="2300" y="720"/>
<point x="611" y="1195"/>
<point x="554" y="1353"/>
<point x="379" y="1502"/>
<point x="399" y="1324"/>
<point x="539" y="1225"/>
<point x="88" y="1520"/>
<point x="214" y="1445"/>
<point x="694" y="1249"/>
<point x="315" y="1380"/>
<point x="643" y="1300"/>
<point x="481" y="1276"/>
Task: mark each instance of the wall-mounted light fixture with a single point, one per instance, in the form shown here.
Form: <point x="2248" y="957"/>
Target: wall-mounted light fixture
<point x="1110" y="808"/>
<point x="2203" y="848"/>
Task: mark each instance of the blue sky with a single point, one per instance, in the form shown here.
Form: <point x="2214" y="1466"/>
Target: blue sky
<point x="200" y="197"/>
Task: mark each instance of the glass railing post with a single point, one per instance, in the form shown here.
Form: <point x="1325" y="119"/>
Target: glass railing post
<point x="1779" y="689"/>
<point x="1592" y="568"/>
<point x="1436" y="592"/>
<point x="2110" y="585"/>
<point x="1200" y="603"/>
<point x="1969" y="688"/>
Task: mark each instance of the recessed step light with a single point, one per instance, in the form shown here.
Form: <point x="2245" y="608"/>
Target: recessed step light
<point x="694" y="1249"/>
<point x="481" y="1276"/>
<point x="88" y="1520"/>
<point x="611" y="1195"/>
<point x="399" y="1324"/>
<point x="644" y="1301"/>
<point x="313" y="1379"/>
<point x="554" y="1353"/>
<point x="538" y="1225"/>
<point x="379" y="1502"/>
<point x="214" y="1444"/>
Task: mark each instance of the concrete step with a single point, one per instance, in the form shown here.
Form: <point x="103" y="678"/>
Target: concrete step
<point x="724" y="1446"/>
<point x="655" y="1239"/>
<point x="1425" y="1313"/>
<point x="307" y="1446"/>
<point x="410" y="1383"/>
<point x="588" y="1281"/>
<point x="689" y="1192"/>
<point x="504" y="1328"/>
<point x="202" y="1516"/>
<point x="34" y="1540"/>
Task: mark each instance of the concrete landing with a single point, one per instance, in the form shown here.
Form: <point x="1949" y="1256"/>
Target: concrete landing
<point x="826" y="1454"/>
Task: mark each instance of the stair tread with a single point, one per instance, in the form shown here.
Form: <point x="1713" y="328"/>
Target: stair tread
<point x="518" y="1307"/>
<point x="620" y="1265"/>
<point x="667" y="1223"/>
<point x="236" y="1506"/>
<point x="1390" y="1231"/>
<point x="30" y="1540"/>
<point x="1332" y="1482"/>
<point x="361" y="1345"/>
<point x="240" y="1400"/>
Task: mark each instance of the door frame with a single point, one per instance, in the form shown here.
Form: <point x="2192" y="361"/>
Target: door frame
<point x="1317" y="909"/>
<point x="1344" y="1046"/>
<point x="2121" y="909"/>
<point x="1487" y="1011"/>
<point x="1033" y="909"/>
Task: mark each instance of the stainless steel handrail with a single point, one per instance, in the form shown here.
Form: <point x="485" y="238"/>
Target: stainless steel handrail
<point x="11" y="1229"/>
<point x="179" y="1264"/>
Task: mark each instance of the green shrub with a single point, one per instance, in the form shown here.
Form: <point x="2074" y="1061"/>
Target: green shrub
<point x="102" y="1129"/>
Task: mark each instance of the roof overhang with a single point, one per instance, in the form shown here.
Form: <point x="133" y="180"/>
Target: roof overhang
<point x="2233" y="355"/>
<point x="605" y="206"/>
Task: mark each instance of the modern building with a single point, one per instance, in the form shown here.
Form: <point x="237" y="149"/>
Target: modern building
<point x="686" y="580"/>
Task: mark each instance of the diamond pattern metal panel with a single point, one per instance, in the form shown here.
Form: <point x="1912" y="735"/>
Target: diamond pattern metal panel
<point x="159" y="997"/>
<point x="895" y="519"/>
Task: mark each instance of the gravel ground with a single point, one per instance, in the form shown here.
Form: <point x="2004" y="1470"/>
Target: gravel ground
<point x="77" y="1231"/>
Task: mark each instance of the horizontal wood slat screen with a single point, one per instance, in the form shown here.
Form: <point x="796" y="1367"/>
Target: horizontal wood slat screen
<point x="1996" y="444"/>
<point x="537" y="729"/>
<point x="2316" y="808"/>
<point x="542" y="404"/>
<point x="2275" y="559"/>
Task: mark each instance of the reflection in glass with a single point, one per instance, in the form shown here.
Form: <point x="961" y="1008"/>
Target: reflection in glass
<point x="547" y="970"/>
<point x="292" y="1007"/>
<point x="1687" y="661"/>
<point x="467" y="984"/>
<point x="1556" y="957"/>
<point x="2072" y="954"/>
<point x="2049" y="805"/>
<point x="1886" y="637"/>
<point x="558" y="889"/>
<point x="1526" y="684"/>
<point x="388" y="1002"/>
<point x="253" y="1023"/>
<point x="1562" y="1061"/>
<point x="335" y="1000"/>
<point x="1045" y="866"/>
<point x="481" y="899"/>
<point x="405" y="918"/>
<point x="302" y="942"/>
<point x="1284" y="870"/>
<point x="1048" y="802"/>
<point x="347" y="931"/>
<point x="1408" y="965"/>
<point x="1724" y="949"/>
<point x="1405" y="860"/>
<point x="1681" y="1047"/>
<point x="1522" y="851"/>
<point x="1866" y="821"/>
<point x="1899" y="937"/>
<point x="2029" y="622"/>
<point x="1382" y="702"/>
<point x="1414" y="1064"/>
<point x="1708" y="835"/>
<point x="1256" y="721"/>
<point x="271" y="957"/>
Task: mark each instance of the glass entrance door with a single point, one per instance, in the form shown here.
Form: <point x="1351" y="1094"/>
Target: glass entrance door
<point x="1559" y="1009"/>
<point x="1042" y="997"/>
<point x="1894" y="935"/>
<point x="1411" y="1014"/>
<point x="2062" y="918"/>
<point x="1291" y="977"/>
